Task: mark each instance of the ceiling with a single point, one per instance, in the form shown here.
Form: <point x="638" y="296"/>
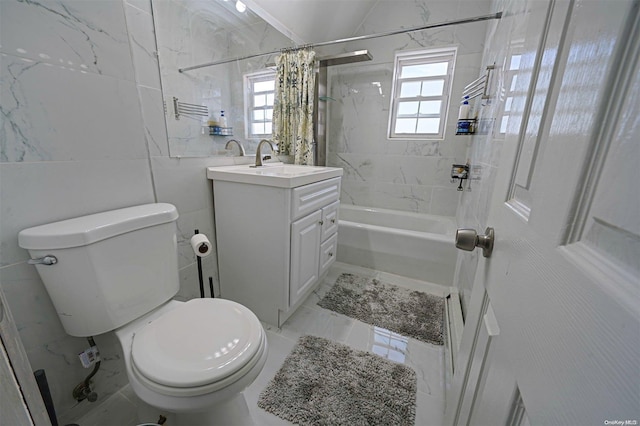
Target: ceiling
<point x="313" y="21"/>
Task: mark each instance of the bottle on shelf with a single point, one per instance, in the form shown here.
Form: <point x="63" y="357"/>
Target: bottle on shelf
<point x="463" y="114"/>
<point x="223" y="120"/>
<point x="213" y="121"/>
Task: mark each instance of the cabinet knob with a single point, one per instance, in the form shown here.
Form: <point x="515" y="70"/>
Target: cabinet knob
<point x="330" y="254"/>
<point x="333" y="221"/>
<point x="321" y="222"/>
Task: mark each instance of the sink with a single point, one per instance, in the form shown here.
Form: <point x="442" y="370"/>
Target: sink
<point x="273" y="174"/>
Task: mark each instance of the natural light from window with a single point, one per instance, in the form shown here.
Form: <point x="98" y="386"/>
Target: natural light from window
<point x="421" y="91"/>
<point x="259" y="94"/>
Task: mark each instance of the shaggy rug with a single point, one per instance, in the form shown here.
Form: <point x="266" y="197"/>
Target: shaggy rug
<point x="407" y="312"/>
<point x="326" y="383"/>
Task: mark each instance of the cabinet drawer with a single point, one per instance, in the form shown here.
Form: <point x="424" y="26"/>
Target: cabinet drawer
<point x="330" y="219"/>
<point x="328" y="253"/>
<point x="306" y="199"/>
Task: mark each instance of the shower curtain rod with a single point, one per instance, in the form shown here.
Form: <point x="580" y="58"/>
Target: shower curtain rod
<point x="345" y="40"/>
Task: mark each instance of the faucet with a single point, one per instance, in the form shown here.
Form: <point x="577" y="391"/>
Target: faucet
<point x="259" y="157"/>
<point x="242" y="153"/>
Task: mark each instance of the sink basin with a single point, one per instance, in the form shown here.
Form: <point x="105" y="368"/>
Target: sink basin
<point x="273" y="174"/>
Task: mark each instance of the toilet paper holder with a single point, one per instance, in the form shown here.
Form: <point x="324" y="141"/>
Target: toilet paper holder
<point x="201" y="247"/>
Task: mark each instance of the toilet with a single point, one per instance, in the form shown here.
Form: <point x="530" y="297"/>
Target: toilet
<point x="118" y="271"/>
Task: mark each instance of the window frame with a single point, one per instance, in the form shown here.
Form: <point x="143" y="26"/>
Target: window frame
<point x="249" y="81"/>
<point x="420" y="57"/>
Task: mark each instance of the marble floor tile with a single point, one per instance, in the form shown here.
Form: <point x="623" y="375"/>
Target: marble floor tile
<point x="310" y="319"/>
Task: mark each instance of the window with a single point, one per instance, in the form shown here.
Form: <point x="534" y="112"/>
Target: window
<point x="421" y="91"/>
<point x="259" y="93"/>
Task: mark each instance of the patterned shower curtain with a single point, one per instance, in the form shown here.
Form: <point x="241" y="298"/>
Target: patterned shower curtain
<point x="293" y="105"/>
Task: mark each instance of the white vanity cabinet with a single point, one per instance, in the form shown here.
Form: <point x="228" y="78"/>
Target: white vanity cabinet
<point x="274" y="244"/>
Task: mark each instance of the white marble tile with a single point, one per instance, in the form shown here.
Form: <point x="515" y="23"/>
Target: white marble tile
<point x="89" y="36"/>
<point x="143" y="47"/>
<point x="38" y="193"/>
<point x="183" y="182"/>
<point x="117" y="410"/>
<point x="429" y="410"/>
<point x="61" y="113"/>
<point x="444" y="201"/>
<point x="190" y="283"/>
<point x="155" y="126"/>
<point x="188" y="222"/>
<point x="414" y="198"/>
<point x="357" y="193"/>
<point x="144" y="5"/>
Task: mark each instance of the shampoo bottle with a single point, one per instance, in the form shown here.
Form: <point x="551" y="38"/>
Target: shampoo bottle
<point x="463" y="114"/>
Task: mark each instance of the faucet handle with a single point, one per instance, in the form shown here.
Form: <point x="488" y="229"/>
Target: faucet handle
<point x="266" y="157"/>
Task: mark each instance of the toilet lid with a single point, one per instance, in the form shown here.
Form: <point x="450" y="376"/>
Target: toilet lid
<point x="200" y="342"/>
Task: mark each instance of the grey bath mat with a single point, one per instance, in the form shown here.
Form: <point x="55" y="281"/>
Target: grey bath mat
<point x="407" y="312"/>
<point x="326" y="383"/>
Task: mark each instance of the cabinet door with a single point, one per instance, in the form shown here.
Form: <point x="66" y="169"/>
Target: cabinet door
<point x="305" y="254"/>
<point x="330" y="220"/>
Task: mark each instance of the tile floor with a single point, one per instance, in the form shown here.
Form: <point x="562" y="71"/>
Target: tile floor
<point x="426" y="359"/>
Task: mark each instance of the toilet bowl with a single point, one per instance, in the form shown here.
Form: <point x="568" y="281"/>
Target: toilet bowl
<point x="193" y="356"/>
<point x="118" y="271"/>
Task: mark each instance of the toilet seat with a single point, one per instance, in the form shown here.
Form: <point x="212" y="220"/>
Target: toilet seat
<point x="199" y="347"/>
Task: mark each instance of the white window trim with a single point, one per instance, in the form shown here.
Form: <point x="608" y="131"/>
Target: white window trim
<point x="422" y="56"/>
<point x="248" y="80"/>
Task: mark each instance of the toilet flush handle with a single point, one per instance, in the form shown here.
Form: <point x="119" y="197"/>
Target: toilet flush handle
<point x="46" y="260"/>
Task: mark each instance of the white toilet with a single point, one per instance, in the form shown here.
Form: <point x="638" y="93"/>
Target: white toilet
<point x="118" y="271"/>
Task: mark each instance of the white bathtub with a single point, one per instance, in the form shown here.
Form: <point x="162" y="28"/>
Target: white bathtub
<point x="403" y="243"/>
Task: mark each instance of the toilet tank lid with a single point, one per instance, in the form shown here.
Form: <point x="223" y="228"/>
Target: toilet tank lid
<point x="86" y="230"/>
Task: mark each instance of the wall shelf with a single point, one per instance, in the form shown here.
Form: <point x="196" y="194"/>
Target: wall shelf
<point x="220" y="131"/>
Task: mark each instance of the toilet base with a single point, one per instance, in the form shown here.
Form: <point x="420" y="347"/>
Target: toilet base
<point x="233" y="412"/>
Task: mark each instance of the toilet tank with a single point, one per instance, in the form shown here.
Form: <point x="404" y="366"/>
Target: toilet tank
<point x="112" y="267"/>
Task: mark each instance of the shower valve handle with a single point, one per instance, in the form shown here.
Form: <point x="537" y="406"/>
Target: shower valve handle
<point x="468" y="239"/>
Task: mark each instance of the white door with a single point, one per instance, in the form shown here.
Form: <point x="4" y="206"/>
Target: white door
<point x="552" y="335"/>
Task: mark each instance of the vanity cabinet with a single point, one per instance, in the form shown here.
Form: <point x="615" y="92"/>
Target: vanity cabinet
<point x="274" y="244"/>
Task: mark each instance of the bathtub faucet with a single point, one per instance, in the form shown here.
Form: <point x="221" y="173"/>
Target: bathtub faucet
<point x="259" y="157"/>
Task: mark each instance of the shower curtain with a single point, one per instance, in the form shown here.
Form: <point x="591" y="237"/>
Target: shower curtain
<point x="293" y="105"/>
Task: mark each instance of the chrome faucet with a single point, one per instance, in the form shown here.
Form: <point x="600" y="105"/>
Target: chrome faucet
<point x="242" y="153"/>
<point x="259" y="156"/>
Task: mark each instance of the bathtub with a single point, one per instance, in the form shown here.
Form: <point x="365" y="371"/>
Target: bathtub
<point x="403" y="243"/>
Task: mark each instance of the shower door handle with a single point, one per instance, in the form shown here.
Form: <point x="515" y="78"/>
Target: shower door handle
<point x="468" y="239"/>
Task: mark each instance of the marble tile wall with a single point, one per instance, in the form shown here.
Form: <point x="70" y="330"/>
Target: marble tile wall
<point x="400" y="174"/>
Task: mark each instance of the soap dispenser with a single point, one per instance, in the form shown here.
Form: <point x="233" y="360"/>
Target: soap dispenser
<point x="223" y="120"/>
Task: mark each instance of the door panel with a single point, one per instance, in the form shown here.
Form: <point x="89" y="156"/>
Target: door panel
<point x="563" y="277"/>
